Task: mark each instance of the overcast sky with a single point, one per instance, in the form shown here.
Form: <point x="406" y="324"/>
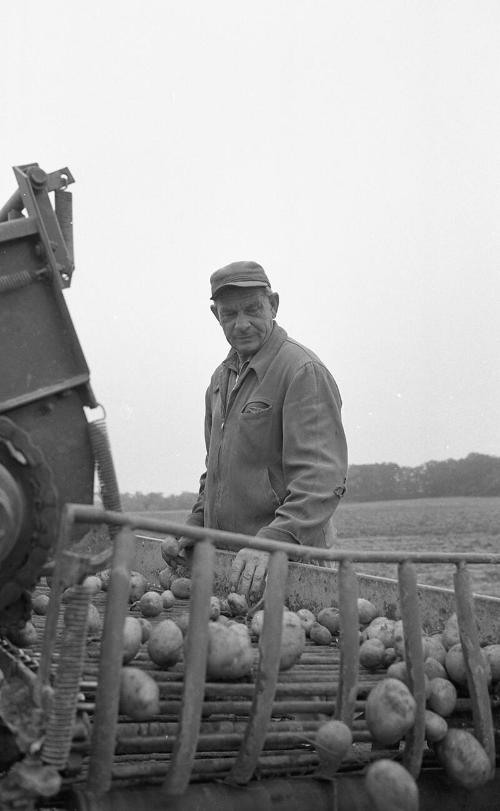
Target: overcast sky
<point x="350" y="147"/>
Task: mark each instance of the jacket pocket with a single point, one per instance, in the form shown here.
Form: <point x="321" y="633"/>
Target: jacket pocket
<point x="255" y="434"/>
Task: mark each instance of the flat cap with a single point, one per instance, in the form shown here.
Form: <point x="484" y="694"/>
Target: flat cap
<point x="238" y="274"/>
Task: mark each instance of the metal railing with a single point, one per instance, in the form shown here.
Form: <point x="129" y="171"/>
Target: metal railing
<point x="195" y="657"/>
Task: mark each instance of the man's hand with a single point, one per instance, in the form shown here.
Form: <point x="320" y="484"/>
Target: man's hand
<point x="248" y="573"/>
<point x="185" y="550"/>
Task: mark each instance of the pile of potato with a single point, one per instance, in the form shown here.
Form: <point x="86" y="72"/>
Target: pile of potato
<point x="390" y="707"/>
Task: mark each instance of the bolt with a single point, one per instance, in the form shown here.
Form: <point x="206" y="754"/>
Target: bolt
<point x="38" y="177"/>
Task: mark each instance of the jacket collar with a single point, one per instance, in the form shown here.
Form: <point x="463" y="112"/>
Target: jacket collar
<point x="261" y="360"/>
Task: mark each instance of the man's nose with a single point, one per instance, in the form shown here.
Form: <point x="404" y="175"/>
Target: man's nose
<point x="242" y="322"/>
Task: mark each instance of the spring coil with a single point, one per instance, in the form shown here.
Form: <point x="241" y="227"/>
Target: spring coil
<point x="105" y="468"/>
<point x="16" y="280"/>
<point x="57" y="743"/>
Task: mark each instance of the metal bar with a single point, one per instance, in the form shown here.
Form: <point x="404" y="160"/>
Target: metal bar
<point x="50" y="632"/>
<point x="18" y="229"/>
<point x="178" y="776"/>
<point x="48" y="391"/>
<point x="267" y="675"/>
<point x="349" y="639"/>
<point x="94" y="515"/>
<point x="414" y="655"/>
<point x="474" y="665"/>
<point x="107" y="695"/>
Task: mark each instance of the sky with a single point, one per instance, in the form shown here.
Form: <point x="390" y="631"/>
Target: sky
<point x="352" y="148"/>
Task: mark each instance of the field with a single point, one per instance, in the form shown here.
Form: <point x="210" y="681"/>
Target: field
<point x="432" y="524"/>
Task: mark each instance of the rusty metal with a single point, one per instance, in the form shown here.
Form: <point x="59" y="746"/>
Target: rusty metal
<point x="178" y="776"/>
<point x="107" y="695"/>
<point x="474" y="664"/>
<point x="414" y="657"/>
<point x="267" y="674"/>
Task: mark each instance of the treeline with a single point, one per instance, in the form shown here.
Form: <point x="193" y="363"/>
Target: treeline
<point x="476" y="475"/>
<point x="144" y="502"/>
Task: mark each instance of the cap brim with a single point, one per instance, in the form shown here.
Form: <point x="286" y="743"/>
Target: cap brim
<point x="238" y="284"/>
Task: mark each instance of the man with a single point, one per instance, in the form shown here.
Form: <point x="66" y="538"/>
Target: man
<point x="276" y="451"/>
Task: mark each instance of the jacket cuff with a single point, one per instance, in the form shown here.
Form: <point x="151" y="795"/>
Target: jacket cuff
<point x="276" y="534"/>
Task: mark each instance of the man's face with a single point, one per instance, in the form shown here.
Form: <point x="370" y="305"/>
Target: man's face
<point x="246" y="315"/>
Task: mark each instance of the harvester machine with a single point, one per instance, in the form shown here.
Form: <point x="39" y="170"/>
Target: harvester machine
<point x="212" y="745"/>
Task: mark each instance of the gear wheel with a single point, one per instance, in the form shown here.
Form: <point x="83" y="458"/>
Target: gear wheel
<point x="20" y="569"/>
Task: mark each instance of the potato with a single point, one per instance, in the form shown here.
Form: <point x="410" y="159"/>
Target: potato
<point x="455" y="665"/>
<point x="165" y="643"/>
<point x="170" y="549"/>
<point x="230" y="654"/>
<point x="105" y="577"/>
<point x="451" y="634"/>
<point x="435" y="727"/>
<point x="165" y="577"/>
<point x="433" y="669"/>
<point x="94" y="623"/>
<point x="433" y="647"/>
<point x="371" y="654"/>
<point x="214" y="608"/>
<point x="224" y="607"/>
<point x="181" y="588"/>
<point x="132" y="638"/>
<point x="139" y="694"/>
<point x="150" y="604"/>
<point x="391" y="787"/>
<point x="146" y="628"/>
<point x="293" y="640"/>
<point x="307" y="618"/>
<point x="319" y="634"/>
<point x="167" y="599"/>
<point x="390" y="711"/>
<point x="383" y="629"/>
<point x="398" y="670"/>
<point x="390" y="657"/>
<point x="40" y="604"/>
<point x="366" y="611"/>
<point x="138" y="586"/>
<point x="332" y="742"/>
<point x="182" y="622"/>
<point x="257" y="623"/>
<point x="464" y="759"/>
<point x="23" y="637"/>
<point x="93" y="584"/>
<point x="492" y="653"/>
<point x="399" y="639"/>
<point x="443" y="696"/>
<point x="330" y="618"/>
<point x="237" y="604"/>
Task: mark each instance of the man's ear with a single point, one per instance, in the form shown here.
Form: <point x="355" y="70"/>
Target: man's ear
<point x="213" y="307"/>
<point x="274" y="301"/>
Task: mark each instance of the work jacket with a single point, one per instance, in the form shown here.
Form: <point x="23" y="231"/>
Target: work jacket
<point x="276" y="451"/>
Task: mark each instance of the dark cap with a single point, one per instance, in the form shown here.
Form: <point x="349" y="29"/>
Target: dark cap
<point x="238" y="274"/>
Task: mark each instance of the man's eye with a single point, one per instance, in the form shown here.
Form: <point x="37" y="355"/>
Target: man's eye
<point x="253" y="311"/>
